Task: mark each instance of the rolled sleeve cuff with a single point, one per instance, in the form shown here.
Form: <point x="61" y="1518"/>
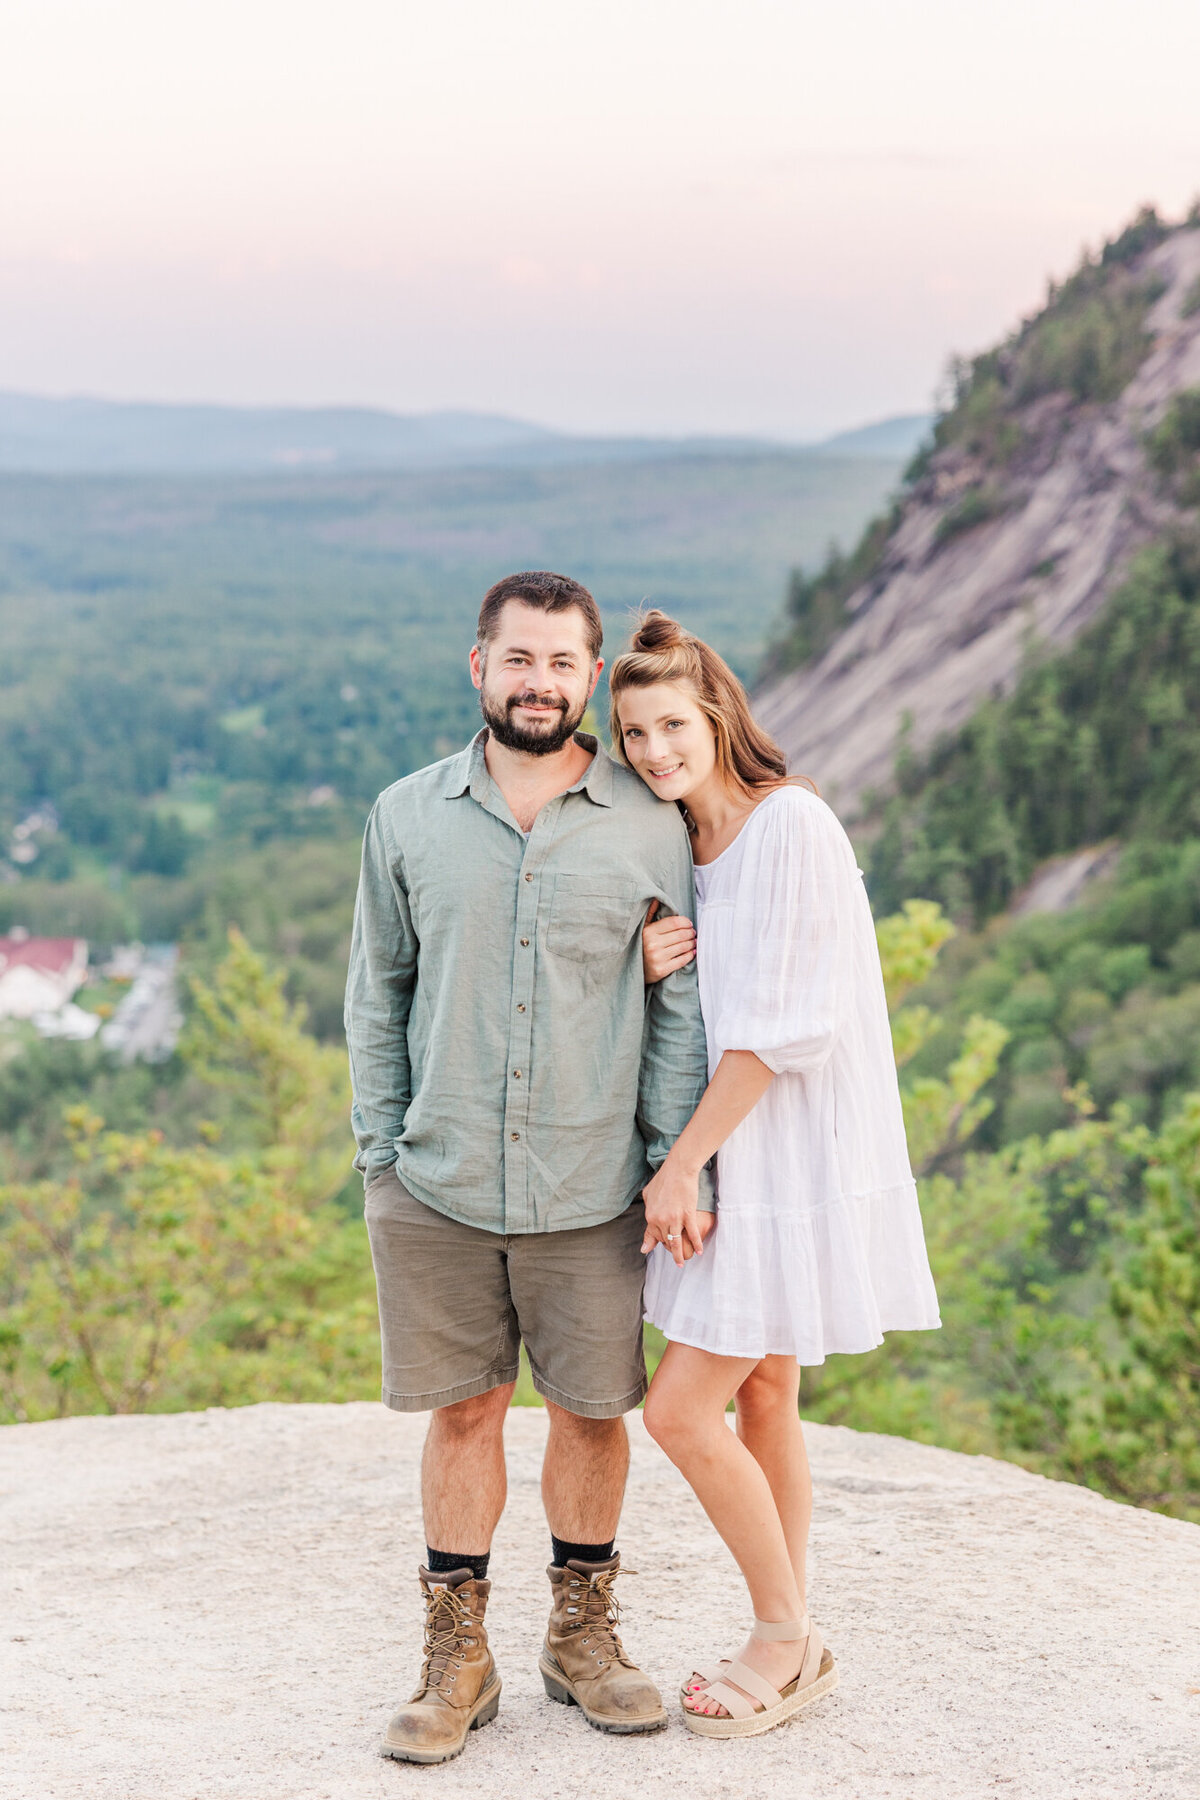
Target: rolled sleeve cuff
<point x="371" y="1163"/>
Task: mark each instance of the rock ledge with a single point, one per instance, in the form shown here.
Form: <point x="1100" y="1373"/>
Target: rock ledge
<point x="224" y="1603"/>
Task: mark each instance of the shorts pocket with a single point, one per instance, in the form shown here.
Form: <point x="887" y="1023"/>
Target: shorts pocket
<point x="592" y="917"/>
<point x="385" y="1193"/>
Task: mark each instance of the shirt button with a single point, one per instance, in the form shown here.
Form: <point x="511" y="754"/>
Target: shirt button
<point x="520" y="1006"/>
<point x="516" y="1074"/>
<point x="529" y="878"/>
<point x="525" y="943"/>
<point x="516" y="1136"/>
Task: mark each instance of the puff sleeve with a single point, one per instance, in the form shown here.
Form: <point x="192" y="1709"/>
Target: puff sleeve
<point x="790" y="936"/>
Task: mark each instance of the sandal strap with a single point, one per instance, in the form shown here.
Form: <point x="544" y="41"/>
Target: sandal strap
<point x="814" y="1650"/>
<point x="751" y="1682"/>
<point x="785" y="1632"/>
<point x="704" y="1676"/>
<point x="735" y="1704"/>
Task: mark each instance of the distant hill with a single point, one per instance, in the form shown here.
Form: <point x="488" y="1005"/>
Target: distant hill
<point x="900" y="437"/>
<point x="81" y="436"/>
<point x="84" y="436"/>
<point x="1067" y="451"/>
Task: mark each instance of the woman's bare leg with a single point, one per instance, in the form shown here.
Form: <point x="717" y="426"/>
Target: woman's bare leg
<point x="768" y="1423"/>
<point x="685" y="1414"/>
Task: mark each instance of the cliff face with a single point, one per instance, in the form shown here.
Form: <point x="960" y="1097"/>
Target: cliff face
<point x="1021" y="531"/>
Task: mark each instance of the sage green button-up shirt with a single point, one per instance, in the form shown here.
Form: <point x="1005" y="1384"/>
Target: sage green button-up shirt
<point x="505" y="1052"/>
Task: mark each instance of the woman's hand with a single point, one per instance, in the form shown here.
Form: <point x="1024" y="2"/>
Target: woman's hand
<point x="671" y="1217"/>
<point x="667" y="944"/>
<point x="706" y="1222"/>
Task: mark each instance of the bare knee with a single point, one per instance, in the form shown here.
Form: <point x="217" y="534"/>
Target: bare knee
<point x="769" y="1391"/>
<point x="599" y="1433"/>
<point x="667" y="1417"/>
<point x="480" y="1416"/>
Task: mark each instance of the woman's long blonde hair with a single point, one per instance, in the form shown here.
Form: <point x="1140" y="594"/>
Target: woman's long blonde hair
<point x="747" y="758"/>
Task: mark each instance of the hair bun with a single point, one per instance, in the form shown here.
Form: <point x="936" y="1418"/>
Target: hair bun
<point x="658" y="632"/>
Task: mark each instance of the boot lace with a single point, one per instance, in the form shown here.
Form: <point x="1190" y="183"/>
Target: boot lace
<point x="449" y="1625"/>
<point x="594" y="1611"/>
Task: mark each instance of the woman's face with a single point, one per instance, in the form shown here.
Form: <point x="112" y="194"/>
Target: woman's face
<point x="667" y="739"/>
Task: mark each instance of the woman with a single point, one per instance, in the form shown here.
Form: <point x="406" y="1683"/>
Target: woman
<point x="819" y="1246"/>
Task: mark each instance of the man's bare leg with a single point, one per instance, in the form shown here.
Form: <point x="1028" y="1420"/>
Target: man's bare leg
<point x="583" y="1659"/>
<point x="583" y="1476"/>
<point x="462" y="1493"/>
<point x="463" y="1477"/>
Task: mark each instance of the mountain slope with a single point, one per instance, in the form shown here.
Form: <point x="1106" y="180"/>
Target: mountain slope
<point x="1020" y="521"/>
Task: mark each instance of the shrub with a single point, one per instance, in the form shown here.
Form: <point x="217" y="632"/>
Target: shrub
<point x="977" y="506"/>
<point x="1173" y="447"/>
<point x="982" y="422"/>
<point x="1134" y="1430"/>
<point x="153" y="1276"/>
<point x="1089" y="344"/>
<point x="1142" y="233"/>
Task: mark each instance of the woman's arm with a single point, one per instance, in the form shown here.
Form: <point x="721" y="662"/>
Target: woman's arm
<point x="739" y="1083"/>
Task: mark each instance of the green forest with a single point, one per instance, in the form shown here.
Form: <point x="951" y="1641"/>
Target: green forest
<point x="1079" y="1336"/>
<point x="204" y="682"/>
<point x="208" y="682"/>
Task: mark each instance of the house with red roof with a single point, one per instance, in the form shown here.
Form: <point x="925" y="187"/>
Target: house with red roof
<point x="38" y="974"/>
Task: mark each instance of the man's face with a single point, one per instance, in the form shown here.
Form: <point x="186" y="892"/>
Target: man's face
<point x="536" y="679"/>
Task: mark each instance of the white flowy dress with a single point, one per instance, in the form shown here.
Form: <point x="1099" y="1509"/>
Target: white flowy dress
<point x="818" y="1247"/>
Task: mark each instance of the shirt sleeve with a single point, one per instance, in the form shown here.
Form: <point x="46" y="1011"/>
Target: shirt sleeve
<point x="674" y="1049"/>
<point x="786" y="980"/>
<point x="379" y="991"/>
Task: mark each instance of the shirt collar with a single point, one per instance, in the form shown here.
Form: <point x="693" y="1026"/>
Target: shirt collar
<point x="469" y="772"/>
<point x="597" y="779"/>
<point x="461" y="769"/>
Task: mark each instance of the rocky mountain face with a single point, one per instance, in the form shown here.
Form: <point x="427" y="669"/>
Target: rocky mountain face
<point x="1041" y="485"/>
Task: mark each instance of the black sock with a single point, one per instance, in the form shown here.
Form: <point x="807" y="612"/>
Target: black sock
<point x="562" y="1553"/>
<point x="444" y="1562"/>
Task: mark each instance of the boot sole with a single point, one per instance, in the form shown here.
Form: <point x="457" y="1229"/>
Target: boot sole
<point x="559" y="1688"/>
<point x="485" y="1710"/>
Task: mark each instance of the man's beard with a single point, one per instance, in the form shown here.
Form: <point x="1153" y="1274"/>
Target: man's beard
<point x="536" y="741"/>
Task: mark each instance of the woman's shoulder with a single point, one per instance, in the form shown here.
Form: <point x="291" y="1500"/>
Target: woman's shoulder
<point x="793" y="809"/>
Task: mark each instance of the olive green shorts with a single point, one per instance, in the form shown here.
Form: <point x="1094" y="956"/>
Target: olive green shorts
<point x="456" y="1303"/>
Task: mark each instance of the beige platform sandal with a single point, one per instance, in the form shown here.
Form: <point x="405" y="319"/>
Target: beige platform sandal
<point x="768" y="1708"/>
<point x="702" y="1678"/>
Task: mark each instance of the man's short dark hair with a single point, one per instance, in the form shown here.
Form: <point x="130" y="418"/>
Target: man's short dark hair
<point x="549" y="593"/>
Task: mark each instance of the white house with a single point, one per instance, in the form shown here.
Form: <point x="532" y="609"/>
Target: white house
<point x="39" y="975"/>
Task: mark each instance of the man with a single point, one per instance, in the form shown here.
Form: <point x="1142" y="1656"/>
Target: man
<point x="514" y="1086"/>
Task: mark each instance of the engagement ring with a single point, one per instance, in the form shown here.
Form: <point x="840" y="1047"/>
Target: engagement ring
<point x="670" y="1237"/>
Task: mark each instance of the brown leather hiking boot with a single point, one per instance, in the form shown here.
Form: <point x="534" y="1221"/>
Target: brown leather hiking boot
<point x="582" y="1661"/>
<point x="459" y="1689"/>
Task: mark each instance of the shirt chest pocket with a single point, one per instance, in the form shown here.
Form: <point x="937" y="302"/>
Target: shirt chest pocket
<point x="591" y="916"/>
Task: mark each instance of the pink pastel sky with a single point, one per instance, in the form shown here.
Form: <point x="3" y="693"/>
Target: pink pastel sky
<point x="607" y="215"/>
